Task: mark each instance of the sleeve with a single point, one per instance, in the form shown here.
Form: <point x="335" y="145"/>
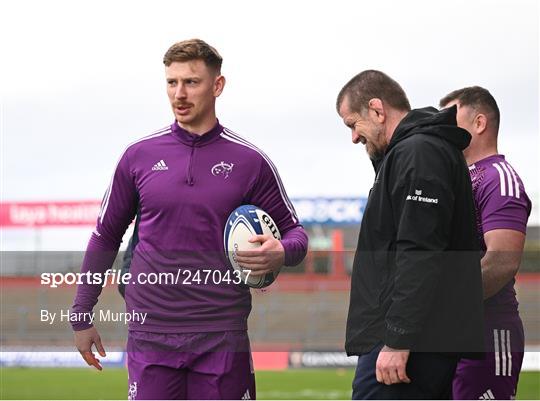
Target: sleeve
<point x="118" y="208"/>
<point x="422" y="204"/>
<point x="269" y="194"/>
<point x="503" y="203"/>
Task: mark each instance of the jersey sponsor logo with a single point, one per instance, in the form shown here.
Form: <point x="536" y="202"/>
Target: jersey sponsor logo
<point x="503" y="352"/>
<point x="222" y="169"/>
<point x="160" y="165"/>
<point x="417" y="197"/>
<point x="488" y="395"/>
<point x="508" y="181"/>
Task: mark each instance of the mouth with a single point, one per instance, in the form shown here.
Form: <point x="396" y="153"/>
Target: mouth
<point x="182" y="109"/>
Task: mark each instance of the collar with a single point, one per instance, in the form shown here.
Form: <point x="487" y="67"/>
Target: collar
<point x="489" y="159"/>
<point x="190" y="139"/>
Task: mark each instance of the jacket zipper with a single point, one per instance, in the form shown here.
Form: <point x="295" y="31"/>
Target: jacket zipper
<point x="189" y="179"/>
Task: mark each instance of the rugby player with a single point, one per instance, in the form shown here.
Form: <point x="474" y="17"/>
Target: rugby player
<point x="182" y="182"/>
<point x="502" y="211"/>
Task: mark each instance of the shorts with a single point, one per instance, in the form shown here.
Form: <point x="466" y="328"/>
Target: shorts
<point x="190" y="366"/>
<point x="496" y="376"/>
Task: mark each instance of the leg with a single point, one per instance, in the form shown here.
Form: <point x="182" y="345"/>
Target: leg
<point x="365" y="384"/>
<point x="431" y="378"/>
<point x="223" y="374"/>
<point x="153" y="375"/>
<point x="154" y="382"/>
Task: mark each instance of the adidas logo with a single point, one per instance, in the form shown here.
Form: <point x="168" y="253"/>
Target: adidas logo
<point x="488" y="395"/>
<point x="160" y="165"/>
<point x="246" y="395"/>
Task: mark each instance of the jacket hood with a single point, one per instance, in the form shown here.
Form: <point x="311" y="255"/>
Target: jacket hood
<point x="430" y="121"/>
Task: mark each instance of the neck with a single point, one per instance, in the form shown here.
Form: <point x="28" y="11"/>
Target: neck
<point x="393" y="119"/>
<point x="472" y="156"/>
<point x="200" y="128"/>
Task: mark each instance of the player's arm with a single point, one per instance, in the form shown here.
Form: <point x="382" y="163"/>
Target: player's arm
<point x="269" y="194"/>
<point x="117" y="211"/>
<point x="502" y="259"/>
<point x="504" y="224"/>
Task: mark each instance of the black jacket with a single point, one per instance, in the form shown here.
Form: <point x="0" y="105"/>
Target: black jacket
<point x="416" y="281"/>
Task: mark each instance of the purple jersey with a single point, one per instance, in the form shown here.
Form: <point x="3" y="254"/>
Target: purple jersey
<point x="182" y="187"/>
<point x="501" y="203"/>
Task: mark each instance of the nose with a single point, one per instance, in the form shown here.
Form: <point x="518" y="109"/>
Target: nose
<point x="180" y="92"/>
<point x="355" y="137"/>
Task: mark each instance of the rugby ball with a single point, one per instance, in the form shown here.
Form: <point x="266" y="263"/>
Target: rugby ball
<point x="244" y="222"/>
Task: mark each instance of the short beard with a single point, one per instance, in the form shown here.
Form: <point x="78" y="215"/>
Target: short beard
<point x="376" y="155"/>
<point x="377" y="152"/>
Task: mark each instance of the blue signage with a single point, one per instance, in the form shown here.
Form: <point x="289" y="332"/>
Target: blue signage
<point x="330" y="211"/>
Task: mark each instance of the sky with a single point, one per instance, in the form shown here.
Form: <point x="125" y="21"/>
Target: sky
<point x="81" y="80"/>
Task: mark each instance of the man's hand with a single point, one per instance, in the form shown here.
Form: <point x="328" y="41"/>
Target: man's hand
<point x="84" y="339"/>
<point x="391" y="364"/>
<point x="269" y="257"/>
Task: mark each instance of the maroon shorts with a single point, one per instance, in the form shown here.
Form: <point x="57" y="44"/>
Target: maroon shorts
<point x="496" y="376"/>
<point x="190" y="366"/>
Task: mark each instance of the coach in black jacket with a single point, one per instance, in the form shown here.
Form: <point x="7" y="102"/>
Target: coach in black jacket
<point x="416" y="291"/>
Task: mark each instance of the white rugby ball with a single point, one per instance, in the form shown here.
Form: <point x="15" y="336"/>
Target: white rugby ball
<point x="244" y="222"/>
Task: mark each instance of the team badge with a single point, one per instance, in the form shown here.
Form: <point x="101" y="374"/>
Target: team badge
<point x="223" y="169"/>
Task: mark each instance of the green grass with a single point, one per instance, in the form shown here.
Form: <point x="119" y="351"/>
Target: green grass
<point x="64" y="384"/>
<point x="305" y="384"/>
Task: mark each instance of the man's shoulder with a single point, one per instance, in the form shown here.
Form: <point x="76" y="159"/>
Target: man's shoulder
<point x="242" y="145"/>
<point x="497" y="177"/>
<point x="420" y="142"/>
<point x="156" y="136"/>
<point x="421" y="148"/>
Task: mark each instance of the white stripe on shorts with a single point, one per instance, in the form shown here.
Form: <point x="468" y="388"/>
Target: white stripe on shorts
<point x="503" y="351"/>
<point x="509" y="351"/>
<point x="497" y="361"/>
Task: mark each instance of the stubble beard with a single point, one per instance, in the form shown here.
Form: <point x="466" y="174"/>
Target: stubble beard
<point x="376" y="150"/>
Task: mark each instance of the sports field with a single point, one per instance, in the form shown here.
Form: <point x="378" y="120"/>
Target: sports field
<point x="63" y="384"/>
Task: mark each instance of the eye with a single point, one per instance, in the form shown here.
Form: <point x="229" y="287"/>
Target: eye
<point x="171" y="82"/>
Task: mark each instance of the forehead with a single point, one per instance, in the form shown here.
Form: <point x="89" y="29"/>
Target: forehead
<point x="187" y="68"/>
<point x="346" y="113"/>
<point x="345" y="108"/>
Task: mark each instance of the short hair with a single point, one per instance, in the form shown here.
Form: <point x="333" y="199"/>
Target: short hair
<point x="476" y="97"/>
<point x="371" y="84"/>
<point x="193" y="49"/>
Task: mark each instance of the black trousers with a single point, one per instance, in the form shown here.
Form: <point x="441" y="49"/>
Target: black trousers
<point x="431" y="377"/>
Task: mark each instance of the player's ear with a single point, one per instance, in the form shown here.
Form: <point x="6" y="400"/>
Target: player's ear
<point x="480" y="123"/>
<point x="376" y="107"/>
<point x="219" y="84"/>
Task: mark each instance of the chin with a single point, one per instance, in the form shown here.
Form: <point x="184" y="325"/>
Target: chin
<point x="184" y="119"/>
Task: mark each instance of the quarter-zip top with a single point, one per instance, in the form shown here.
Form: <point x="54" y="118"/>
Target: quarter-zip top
<point x="194" y="141"/>
<point x="185" y="186"/>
